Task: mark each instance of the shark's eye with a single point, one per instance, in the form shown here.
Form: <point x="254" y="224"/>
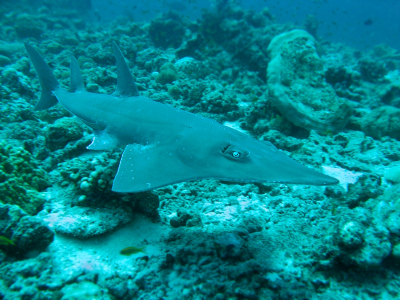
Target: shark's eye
<point x="235" y="154"/>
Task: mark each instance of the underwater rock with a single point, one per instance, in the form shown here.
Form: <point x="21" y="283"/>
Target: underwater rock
<point x="54" y="48"/>
<point x="390" y="94"/>
<point x="366" y="187"/>
<point x="16" y="81"/>
<point x="85" y="223"/>
<point x="145" y="202"/>
<point x="63" y="131"/>
<point x="311" y="24"/>
<point x="345" y="80"/>
<point x="389" y="210"/>
<point x="84" y="290"/>
<point x="29" y="26"/>
<point x="4" y="61"/>
<point x="351" y="235"/>
<point x="393" y="174"/>
<point x="372" y="69"/>
<point x="396" y="252"/>
<point x="34" y="278"/>
<point x="167" y="30"/>
<point x="382" y="121"/>
<point x="229" y="245"/>
<point x="190" y="67"/>
<point x="185" y="218"/>
<point x="297" y="87"/>
<point x="222" y="256"/>
<point x="175" y="92"/>
<point x="28" y="233"/>
<point x="8" y="49"/>
<point x="72" y="149"/>
<point x="91" y="178"/>
<point x="195" y="93"/>
<point x="218" y="101"/>
<point x="363" y="240"/>
<point x="190" y="46"/>
<point x="21" y="180"/>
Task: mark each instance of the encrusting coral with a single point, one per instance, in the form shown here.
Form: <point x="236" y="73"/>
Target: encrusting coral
<point x="21" y="180"/>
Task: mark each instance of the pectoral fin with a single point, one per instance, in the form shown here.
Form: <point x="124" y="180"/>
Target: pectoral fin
<point x="103" y="141"/>
<point x="145" y="168"/>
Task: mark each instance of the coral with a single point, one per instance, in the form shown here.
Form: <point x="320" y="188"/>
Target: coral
<point x="168" y="74"/>
<point x="174" y="92"/>
<point x="191" y="46"/>
<point x="92" y="176"/>
<point x="363" y="240"/>
<point x="84" y="290"/>
<point x="297" y="88"/>
<point x="21" y="180"/>
<point x="29" y="26"/>
<point x="85" y="223"/>
<point x="92" y="181"/>
<point x="8" y="49"/>
<point x="311" y="25"/>
<point x="167" y="31"/>
<point x="390" y="94"/>
<point x="190" y="67"/>
<point x="54" y="47"/>
<point x="196" y="92"/>
<point x="367" y="186"/>
<point x="345" y="81"/>
<point x="389" y="210"/>
<point x="185" y="218"/>
<point x="144" y="202"/>
<point x="382" y="121"/>
<point x="372" y="70"/>
<point x="393" y="174"/>
<point x="4" y="61"/>
<point x="17" y="81"/>
<point x="63" y="131"/>
<point x="28" y="233"/>
<point x="351" y="235"/>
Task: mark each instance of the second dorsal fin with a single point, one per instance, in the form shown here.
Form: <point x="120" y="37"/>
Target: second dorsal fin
<point x="76" y="77"/>
<point x="126" y="86"/>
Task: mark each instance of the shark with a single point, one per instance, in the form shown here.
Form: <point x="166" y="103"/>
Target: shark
<point x="164" y="145"/>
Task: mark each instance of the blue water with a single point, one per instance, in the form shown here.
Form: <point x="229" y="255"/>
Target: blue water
<point x="357" y="23"/>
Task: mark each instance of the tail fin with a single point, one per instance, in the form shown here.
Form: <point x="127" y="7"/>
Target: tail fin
<point x="46" y="78"/>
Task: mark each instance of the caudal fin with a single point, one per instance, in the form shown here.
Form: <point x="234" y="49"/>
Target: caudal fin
<point x="47" y="80"/>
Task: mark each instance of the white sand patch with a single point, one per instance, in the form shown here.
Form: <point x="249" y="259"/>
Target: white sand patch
<point x="345" y="177"/>
<point x="102" y="255"/>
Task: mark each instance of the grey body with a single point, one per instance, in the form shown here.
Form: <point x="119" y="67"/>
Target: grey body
<point x="165" y="145"/>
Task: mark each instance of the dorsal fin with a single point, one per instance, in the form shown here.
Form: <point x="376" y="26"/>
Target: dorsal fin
<point x="126" y="86"/>
<point x="76" y="76"/>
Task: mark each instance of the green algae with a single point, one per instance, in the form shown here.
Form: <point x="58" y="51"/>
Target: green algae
<point x="168" y="74"/>
<point x="21" y="180"/>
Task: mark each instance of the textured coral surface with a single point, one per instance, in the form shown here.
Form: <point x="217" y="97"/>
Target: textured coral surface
<point x="331" y="107"/>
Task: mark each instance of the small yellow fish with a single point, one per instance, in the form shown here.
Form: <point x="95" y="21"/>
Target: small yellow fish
<point x="131" y="250"/>
<point x="6" y="241"/>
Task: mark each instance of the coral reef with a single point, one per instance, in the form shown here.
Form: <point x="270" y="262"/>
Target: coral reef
<point x="168" y="74"/>
<point x="382" y="121"/>
<point x="296" y="84"/>
<point x="329" y="106"/>
<point x="27" y="233"/>
<point x="21" y="180"/>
